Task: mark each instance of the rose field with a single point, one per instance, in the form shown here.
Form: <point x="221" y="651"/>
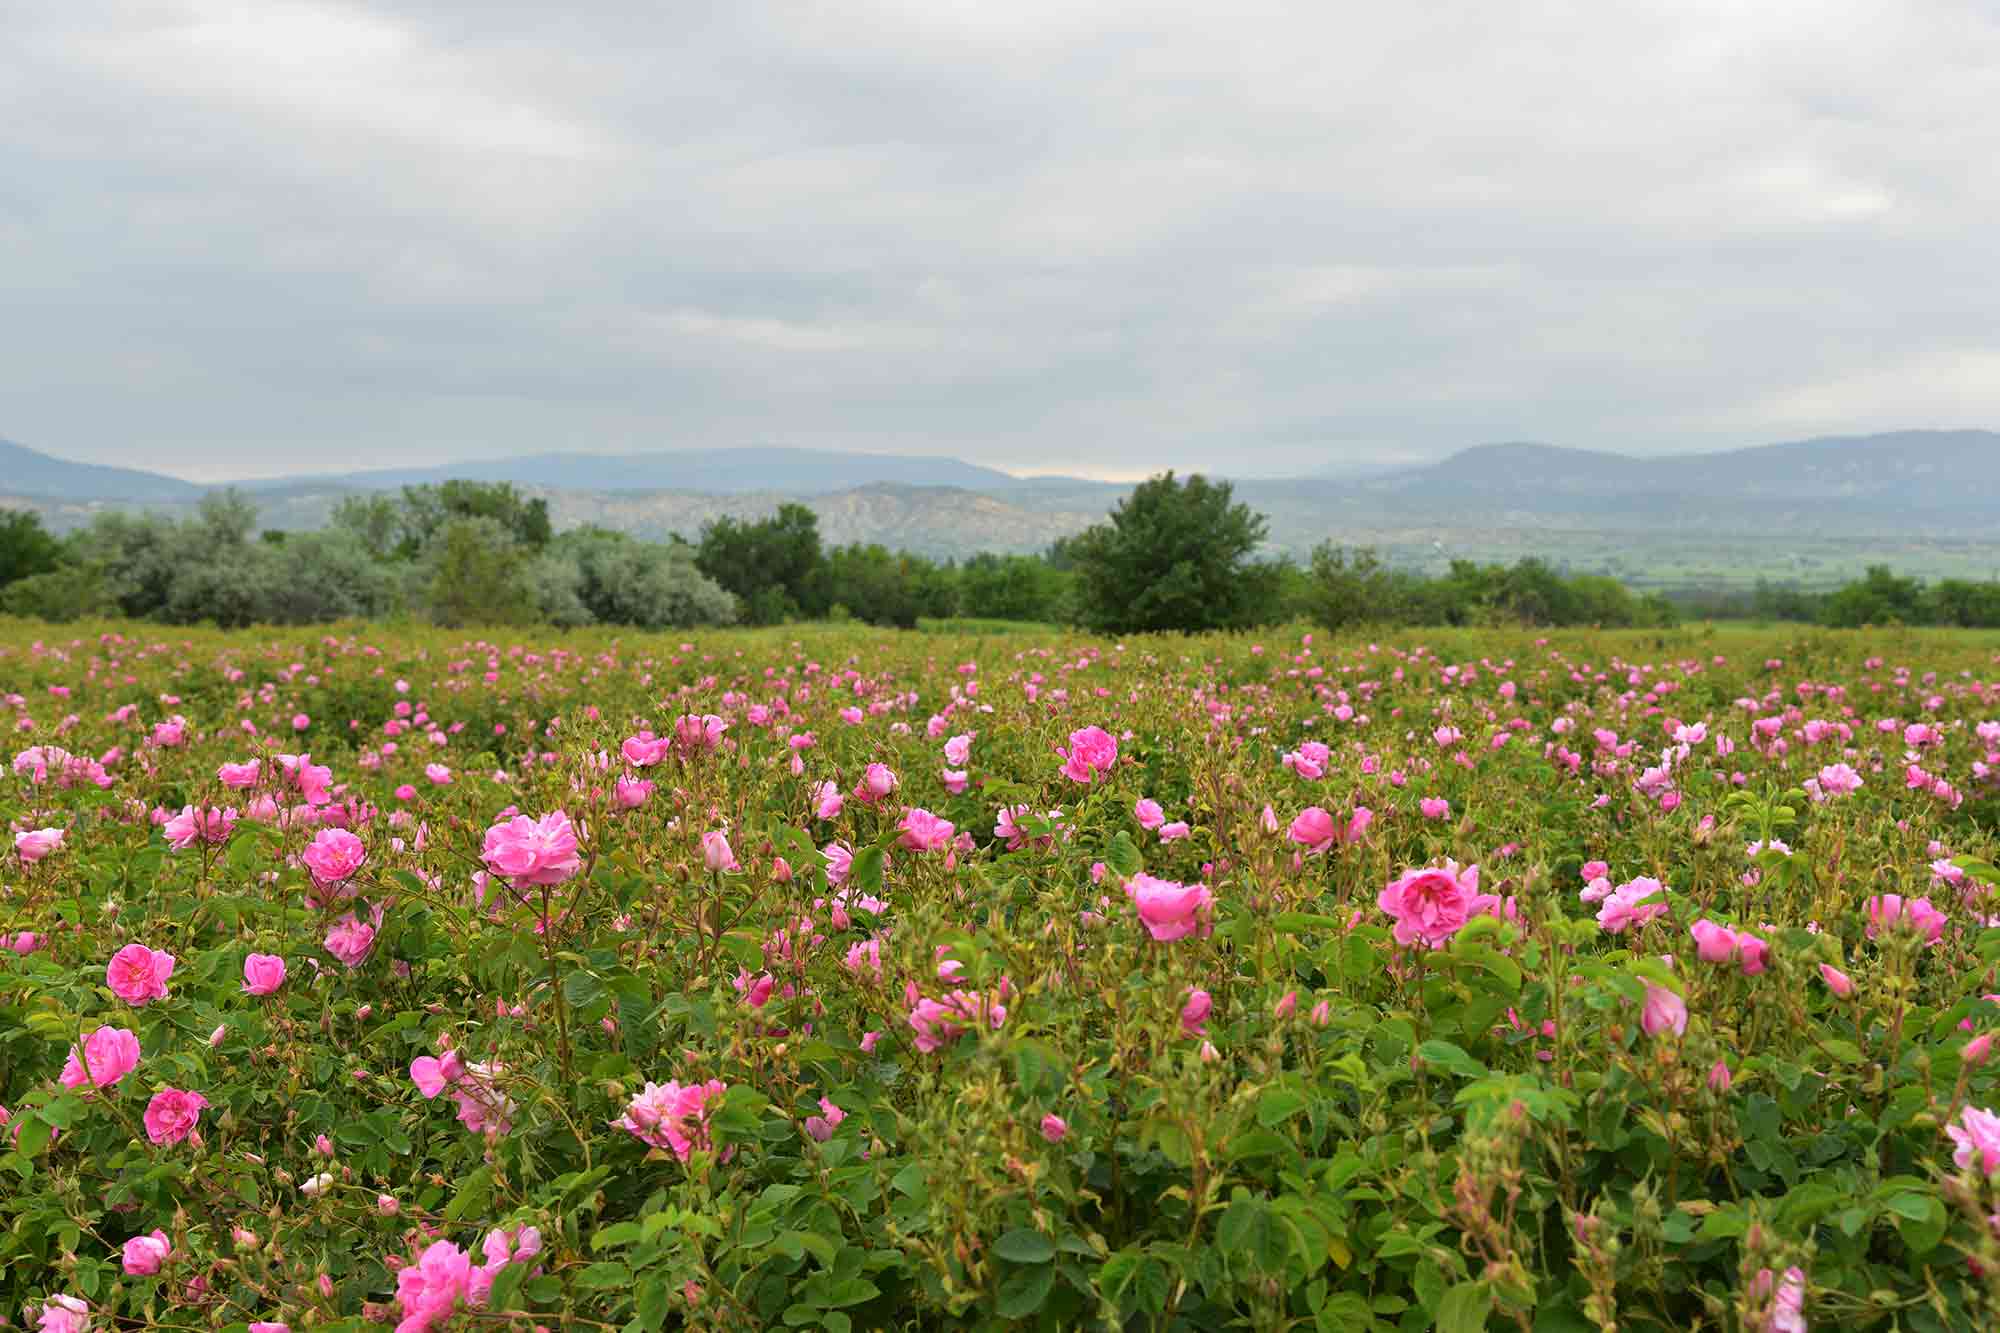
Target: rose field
<point x="855" y="979"/>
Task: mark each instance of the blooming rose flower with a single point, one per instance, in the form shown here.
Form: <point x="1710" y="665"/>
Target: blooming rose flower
<point x="193" y="825"/>
<point x="1627" y="905"/>
<point x="109" y="1054"/>
<point x="1713" y="943"/>
<point x="137" y="974"/>
<point x="1092" y="753"/>
<point x="1313" y="830"/>
<point x="1148" y="812"/>
<point x="350" y="940"/>
<point x="263" y="973"/>
<point x="334" y="855"/>
<point x="924" y="831"/>
<point x="1195" y="1011"/>
<point x="1977" y="1135"/>
<point x="64" y="1314"/>
<point x="1430" y="905"/>
<point x="172" y="1115"/>
<point x="939" y="1021"/>
<point x="31" y="847"/>
<point x="957" y="750"/>
<point x="671" y="1117"/>
<point x="533" y="852"/>
<point x="1168" y="910"/>
<point x="429" y="1290"/>
<point x="146" y="1255"/>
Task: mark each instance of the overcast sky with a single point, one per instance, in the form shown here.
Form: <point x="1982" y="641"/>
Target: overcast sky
<point x="246" y="237"/>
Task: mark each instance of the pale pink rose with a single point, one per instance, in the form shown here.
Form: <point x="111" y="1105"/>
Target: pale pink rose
<point x="1663" y="1010"/>
<point x="193" y="825"/>
<point x="1149" y="814"/>
<point x="1430" y="905"/>
<point x="35" y="844"/>
<point x="172" y="1115"/>
<point x="240" y="776"/>
<point x="1314" y="830"/>
<point x="957" y="750"/>
<point x="138" y="975"/>
<point x="716" y="853"/>
<point x="64" y="1314"/>
<point x="263" y="973"/>
<point x="1977" y="1135"/>
<point x="350" y="940"/>
<point x="1092" y="753"/>
<point x="1195" y="1011"/>
<point x="429" y="1290"/>
<point x="672" y="1117"/>
<point x="146" y="1255"/>
<point x="334" y="855"/>
<point x="109" y="1054"/>
<point x="924" y="831"/>
<point x="533" y="852"/>
<point x="1169" y="910"/>
<point x="939" y="1021"/>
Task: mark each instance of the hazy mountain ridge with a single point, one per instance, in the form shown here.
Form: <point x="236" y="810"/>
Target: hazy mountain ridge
<point x="1928" y="485"/>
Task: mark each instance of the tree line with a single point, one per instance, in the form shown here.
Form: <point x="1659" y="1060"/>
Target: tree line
<point x="1175" y="555"/>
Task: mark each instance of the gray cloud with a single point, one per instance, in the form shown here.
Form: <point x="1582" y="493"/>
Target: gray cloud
<point x="240" y="238"/>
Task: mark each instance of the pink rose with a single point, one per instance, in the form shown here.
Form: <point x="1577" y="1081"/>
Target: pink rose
<point x="109" y="1054"/>
<point x="35" y="844"/>
<point x="1430" y="905"/>
<point x="672" y="1117"/>
<point x="137" y="974"/>
<point x="716" y="853"/>
<point x="924" y="831"/>
<point x="334" y="855"/>
<point x="350" y="940"/>
<point x="533" y="852"/>
<point x="1092" y="753"/>
<point x="1054" y="1128"/>
<point x="263" y="973"/>
<point x="172" y="1114"/>
<point x="1169" y="911"/>
<point x="1663" y="1010"/>
<point x="146" y="1255"/>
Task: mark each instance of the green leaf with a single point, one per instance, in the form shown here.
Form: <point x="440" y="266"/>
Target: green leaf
<point x="505" y="1285"/>
<point x="604" y="1276"/>
<point x="1122" y="857"/>
<point x="866" y="872"/>
<point x="1464" y="1308"/>
<point x="1278" y="1105"/>
<point x="472" y="1197"/>
<point x="1445" y="1055"/>
<point x="1022" y="1246"/>
<point x="582" y="989"/>
<point x="1024" y="1291"/>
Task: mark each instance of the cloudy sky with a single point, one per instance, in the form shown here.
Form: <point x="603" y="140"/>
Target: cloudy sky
<point x="245" y="237"/>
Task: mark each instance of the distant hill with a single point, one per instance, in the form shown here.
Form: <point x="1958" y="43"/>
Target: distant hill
<point x="1903" y="472"/>
<point x="708" y="471"/>
<point x="25" y="471"/>
<point x="1902" y="497"/>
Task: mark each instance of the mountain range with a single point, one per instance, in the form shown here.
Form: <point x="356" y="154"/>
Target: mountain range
<point x="1889" y="489"/>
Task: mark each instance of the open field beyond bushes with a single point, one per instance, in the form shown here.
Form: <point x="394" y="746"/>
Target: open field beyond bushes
<point x="851" y="979"/>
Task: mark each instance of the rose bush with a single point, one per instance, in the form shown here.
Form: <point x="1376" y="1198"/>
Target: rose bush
<point x="840" y="979"/>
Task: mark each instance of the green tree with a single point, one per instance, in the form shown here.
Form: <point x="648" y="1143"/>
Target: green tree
<point x="770" y="564"/>
<point x="1877" y="598"/>
<point x="427" y="509"/>
<point x="26" y="548"/>
<point x="1346" y="588"/>
<point x="1175" y="556"/>
<point x="473" y="573"/>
